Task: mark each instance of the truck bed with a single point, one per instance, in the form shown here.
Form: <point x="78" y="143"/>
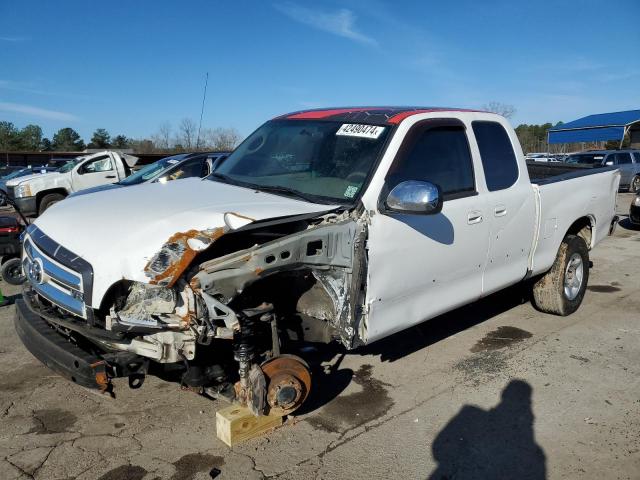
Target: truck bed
<point x="542" y="173"/>
<point x="566" y="193"/>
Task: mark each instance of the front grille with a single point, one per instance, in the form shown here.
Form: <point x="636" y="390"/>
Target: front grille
<point x="56" y="274"/>
<point x="11" y="192"/>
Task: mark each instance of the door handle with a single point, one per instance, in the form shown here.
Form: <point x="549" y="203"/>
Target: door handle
<point x="474" y="217"/>
<point x="500" y="211"/>
<point x="110" y="176"/>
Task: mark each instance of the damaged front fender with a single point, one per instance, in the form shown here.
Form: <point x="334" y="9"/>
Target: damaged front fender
<point x="333" y="251"/>
<point x="177" y="253"/>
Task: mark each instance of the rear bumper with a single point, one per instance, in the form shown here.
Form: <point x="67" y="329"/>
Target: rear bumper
<point x="57" y="353"/>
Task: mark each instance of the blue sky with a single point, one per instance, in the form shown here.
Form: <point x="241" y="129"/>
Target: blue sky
<point x="129" y="66"/>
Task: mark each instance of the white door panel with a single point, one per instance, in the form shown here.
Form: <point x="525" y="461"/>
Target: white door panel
<point x="512" y="224"/>
<point x="423" y="265"/>
<point x="511" y="205"/>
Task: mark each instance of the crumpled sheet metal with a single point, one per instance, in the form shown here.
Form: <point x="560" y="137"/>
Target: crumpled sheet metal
<point x="166" y="266"/>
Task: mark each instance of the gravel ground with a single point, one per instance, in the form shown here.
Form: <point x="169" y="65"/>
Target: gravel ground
<point x="492" y="390"/>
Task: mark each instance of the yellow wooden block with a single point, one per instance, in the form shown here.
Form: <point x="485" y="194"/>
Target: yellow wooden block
<point x="235" y="424"/>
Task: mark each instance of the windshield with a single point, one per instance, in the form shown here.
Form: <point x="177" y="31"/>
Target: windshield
<point x="586" y="158"/>
<point x="328" y="161"/>
<point x="150" y="171"/>
<point x="68" y="166"/>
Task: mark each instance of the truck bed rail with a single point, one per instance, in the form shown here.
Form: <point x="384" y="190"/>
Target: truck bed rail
<point x="543" y="173"/>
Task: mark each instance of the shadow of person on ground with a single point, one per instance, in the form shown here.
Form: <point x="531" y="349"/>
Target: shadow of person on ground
<point x="498" y="443"/>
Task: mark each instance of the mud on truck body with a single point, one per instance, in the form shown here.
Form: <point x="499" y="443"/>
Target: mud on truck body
<point x="342" y="225"/>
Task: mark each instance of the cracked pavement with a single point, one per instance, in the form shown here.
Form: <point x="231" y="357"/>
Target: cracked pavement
<point x="495" y="389"/>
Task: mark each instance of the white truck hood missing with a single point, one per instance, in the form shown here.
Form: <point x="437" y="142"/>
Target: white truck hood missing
<point x="121" y="232"/>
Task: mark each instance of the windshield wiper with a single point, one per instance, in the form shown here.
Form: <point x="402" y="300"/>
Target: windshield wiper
<point x="266" y="188"/>
<point x="285" y="190"/>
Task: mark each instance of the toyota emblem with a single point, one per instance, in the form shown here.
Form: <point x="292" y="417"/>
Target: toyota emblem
<point x="35" y="271"/>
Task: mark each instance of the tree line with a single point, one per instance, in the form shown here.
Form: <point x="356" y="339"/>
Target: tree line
<point x="533" y="138"/>
<point x="185" y="137"/>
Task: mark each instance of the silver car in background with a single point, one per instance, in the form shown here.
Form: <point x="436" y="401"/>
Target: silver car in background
<point x="627" y="161"/>
<point x="175" y="167"/>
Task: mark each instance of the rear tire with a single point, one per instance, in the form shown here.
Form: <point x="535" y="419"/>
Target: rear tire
<point x="560" y="291"/>
<point x="634" y="186"/>
<point x="49" y="200"/>
<point x="11" y="272"/>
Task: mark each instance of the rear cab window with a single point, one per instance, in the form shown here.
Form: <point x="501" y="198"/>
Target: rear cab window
<point x="496" y="152"/>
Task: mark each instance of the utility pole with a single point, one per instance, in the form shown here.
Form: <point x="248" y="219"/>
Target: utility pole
<point x="204" y="96"/>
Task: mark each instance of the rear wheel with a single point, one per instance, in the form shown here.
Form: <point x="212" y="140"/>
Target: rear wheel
<point x="634" y="186"/>
<point x="560" y="291"/>
<point x="49" y="200"/>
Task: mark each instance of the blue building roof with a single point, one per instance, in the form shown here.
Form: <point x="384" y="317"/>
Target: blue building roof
<point x="595" y="128"/>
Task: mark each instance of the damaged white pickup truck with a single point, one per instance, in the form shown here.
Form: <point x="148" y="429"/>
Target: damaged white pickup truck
<point x="327" y="225"/>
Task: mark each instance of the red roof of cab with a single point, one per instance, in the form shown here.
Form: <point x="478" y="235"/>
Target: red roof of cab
<point x="390" y="115"/>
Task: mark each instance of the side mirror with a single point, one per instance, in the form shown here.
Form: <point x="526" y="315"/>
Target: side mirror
<point x="415" y="197"/>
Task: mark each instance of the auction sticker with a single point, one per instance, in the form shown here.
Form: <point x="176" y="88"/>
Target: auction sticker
<point x="351" y="191"/>
<point x="359" y="130"/>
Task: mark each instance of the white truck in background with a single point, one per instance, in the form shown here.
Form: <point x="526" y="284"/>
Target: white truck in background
<point x="343" y="225"/>
<point x="33" y="194"/>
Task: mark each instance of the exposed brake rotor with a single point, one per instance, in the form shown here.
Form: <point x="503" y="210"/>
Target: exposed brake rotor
<point x="288" y="383"/>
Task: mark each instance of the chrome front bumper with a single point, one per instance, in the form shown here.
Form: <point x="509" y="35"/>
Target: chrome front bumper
<point x="56" y="274"/>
